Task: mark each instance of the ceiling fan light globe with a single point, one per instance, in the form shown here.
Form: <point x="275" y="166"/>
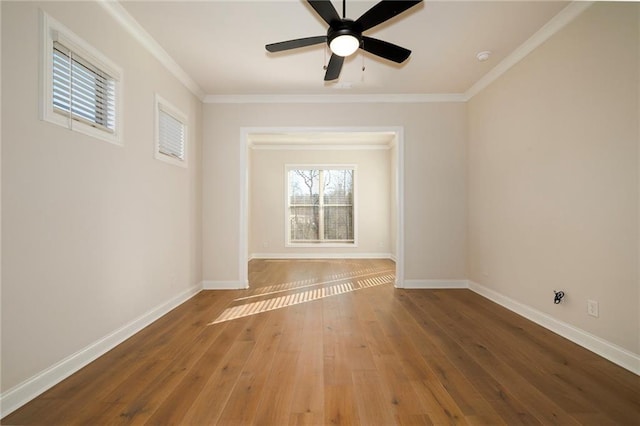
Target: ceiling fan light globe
<point x="344" y="45"/>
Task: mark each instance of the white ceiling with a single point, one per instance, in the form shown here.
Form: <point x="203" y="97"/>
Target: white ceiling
<point x="220" y="44"/>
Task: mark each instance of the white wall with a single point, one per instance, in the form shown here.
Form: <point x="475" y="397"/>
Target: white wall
<point x="94" y="234"/>
<point x="553" y="176"/>
<point x="267" y="193"/>
<point x="434" y="175"/>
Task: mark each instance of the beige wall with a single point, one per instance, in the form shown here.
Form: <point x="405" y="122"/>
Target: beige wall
<point x="94" y="234"/>
<point x="267" y="200"/>
<point x="553" y="176"/>
<point x="434" y="175"/>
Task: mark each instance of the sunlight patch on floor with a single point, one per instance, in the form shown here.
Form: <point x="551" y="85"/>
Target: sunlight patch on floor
<point x="311" y="282"/>
<point x="298" y="297"/>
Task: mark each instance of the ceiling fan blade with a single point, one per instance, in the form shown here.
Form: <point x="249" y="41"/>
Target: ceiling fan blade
<point x="385" y="49"/>
<point x="383" y="11"/>
<point x="325" y="9"/>
<point x="294" y="44"/>
<point x="334" y="67"/>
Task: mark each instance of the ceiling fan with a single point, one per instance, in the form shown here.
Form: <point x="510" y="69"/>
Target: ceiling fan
<point x="344" y="36"/>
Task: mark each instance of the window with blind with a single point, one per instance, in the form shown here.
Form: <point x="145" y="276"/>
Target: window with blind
<point x="320" y="205"/>
<point x="171" y="133"/>
<point x="80" y="87"/>
<point x="82" y="91"/>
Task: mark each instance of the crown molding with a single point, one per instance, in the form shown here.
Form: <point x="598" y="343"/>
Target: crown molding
<point x="555" y="24"/>
<point x="334" y="99"/>
<point x="564" y="17"/>
<point x="120" y="14"/>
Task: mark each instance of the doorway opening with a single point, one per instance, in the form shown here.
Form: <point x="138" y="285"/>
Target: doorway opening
<point x="267" y="153"/>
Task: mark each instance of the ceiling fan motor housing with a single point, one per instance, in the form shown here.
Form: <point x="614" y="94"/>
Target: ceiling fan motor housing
<point x="346" y="27"/>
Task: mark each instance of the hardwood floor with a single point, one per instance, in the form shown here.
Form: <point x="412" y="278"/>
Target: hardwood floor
<point x="332" y="342"/>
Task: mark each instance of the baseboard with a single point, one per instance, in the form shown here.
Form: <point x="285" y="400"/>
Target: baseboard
<point x="605" y="349"/>
<point x="224" y="285"/>
<point x="20" y="394"/>
<point x="433" y="284"/>
<point x="321" y="256"/>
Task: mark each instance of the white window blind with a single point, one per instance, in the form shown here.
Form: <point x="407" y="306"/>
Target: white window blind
<point x="171" y="134"/>
<point x="80" y="88"/>
<point x="82" y="91"/>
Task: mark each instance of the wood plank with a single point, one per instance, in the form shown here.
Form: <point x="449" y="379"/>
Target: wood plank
<point x="242" y="404"/>
<point x="374" y="404"/>
<point x="308" y="401"/>
<point x="340" y="404"/>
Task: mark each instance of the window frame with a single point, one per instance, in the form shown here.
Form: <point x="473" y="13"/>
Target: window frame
<point x="165" y="106"/>
<point x="53" y="31"/>
<point x="287" y="206"/>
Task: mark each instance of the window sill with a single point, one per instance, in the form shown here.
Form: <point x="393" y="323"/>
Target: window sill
<point x="321" y="245"/>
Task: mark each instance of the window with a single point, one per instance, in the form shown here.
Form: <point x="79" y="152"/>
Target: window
<point x="81" y="91"/>
<point x="320" y="205"/>
<point x="80" y="87"/>
<point x="171" y="133"/>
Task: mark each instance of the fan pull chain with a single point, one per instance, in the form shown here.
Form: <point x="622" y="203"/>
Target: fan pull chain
<point x="363" y="68"/>
<point x="324" y="67"/>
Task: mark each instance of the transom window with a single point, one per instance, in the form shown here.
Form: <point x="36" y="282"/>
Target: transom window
<point x="79" y="86"/>
<point x="81" y="91"/>
<point x="171" y="133"/>
<point x="320" y="205"/>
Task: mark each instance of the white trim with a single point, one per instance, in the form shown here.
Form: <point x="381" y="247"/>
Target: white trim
<point x="434" y="284"/>
<point x="607" y="350"/>
<point x="319" y="244"/>
<point x="555" y="24"/>
<point x="224" y="285"/>
<point x="333" y="98"/>
<point x="330" y="255"/>
<point x="120" y="14"/>
<point x="399" y="204"/>
<point x="243" y="234"/>
<point x="20" y="394"/>
<point x="323" y="147"/>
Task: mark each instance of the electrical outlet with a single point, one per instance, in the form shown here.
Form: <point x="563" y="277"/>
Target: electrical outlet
<point x="592" y="308"/>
